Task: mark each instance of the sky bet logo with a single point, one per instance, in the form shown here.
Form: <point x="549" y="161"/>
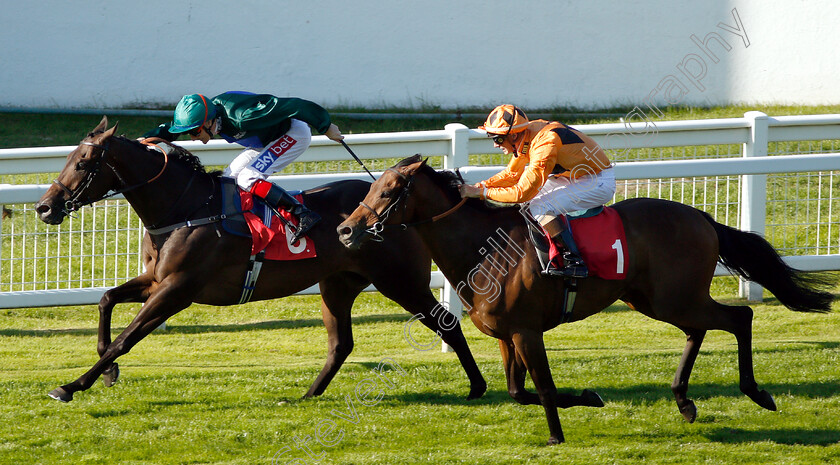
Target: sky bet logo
<point x="273" y="152"/>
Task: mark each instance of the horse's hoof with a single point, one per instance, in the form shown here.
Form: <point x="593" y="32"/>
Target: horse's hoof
<point x="60" y="394"/>
<point x="554" y="440"/>
<point x="477" y="390"/>
<point x="765" y="400"/>
<point x="591" y="398"/>
<point x="689" y="411"/>
<point x="111" y="375"/>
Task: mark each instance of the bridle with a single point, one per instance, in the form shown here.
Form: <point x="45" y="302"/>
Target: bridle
<point x="74" y="202"/>
<point x="379" y="226"/>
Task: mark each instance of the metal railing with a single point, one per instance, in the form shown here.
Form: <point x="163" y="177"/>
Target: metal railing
<point x="722" y="166"/>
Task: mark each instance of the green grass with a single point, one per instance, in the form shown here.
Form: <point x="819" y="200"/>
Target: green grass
<point x="223" y="385"/>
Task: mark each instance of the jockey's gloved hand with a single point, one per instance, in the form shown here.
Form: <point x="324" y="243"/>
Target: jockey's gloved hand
<point x="333" y="133"/>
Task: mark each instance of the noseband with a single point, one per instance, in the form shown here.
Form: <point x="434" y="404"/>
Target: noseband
<point x="73" y="203"/>
<point x="379" y="226"/>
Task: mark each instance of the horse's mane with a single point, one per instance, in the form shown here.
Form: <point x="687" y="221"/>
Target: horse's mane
<point x="179" y="154"/>
<point x="449" y="181"/>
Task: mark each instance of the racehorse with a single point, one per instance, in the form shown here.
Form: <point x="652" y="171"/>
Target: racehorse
<point x="205" y="264"/>
<point x="673" y="251"/>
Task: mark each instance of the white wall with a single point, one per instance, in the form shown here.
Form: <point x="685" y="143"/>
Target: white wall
<point x="452" y="54"/>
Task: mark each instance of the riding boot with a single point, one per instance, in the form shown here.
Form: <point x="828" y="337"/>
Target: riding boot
<point x="277" y="198"/>
<point x="560" y="234"/>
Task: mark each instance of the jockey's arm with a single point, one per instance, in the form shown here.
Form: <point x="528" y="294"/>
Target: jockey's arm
<point x="162" y="132"/>
<point x="508" y="176"/>
<point x="542" y="158"/>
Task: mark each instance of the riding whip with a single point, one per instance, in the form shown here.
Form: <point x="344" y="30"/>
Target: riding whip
<point x="357" y="159"/>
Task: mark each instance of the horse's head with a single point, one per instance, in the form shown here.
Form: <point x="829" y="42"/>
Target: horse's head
<point x="387" y="195"/>
<point x="82" y="181"/>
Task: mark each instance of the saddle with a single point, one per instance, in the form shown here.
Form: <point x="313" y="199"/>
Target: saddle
<point x="599" y="235"/>
<point x="246" y="215"/>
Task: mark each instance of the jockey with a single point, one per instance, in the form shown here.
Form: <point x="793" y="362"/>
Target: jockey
<point x="273" y="129"/>
<point x="556" y="169"/>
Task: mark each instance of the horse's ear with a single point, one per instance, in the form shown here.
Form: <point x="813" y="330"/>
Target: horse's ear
<point x="409" y="170"/>
<point x="101" y="126"/>
<point x="111" y="131"/>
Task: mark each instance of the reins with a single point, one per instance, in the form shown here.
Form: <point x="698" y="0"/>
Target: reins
<point x="379" y="226"/>
<point x="74" y="203"/>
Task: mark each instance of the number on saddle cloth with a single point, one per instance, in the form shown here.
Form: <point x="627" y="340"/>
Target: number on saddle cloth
<point x="599" y="235"/>
<point x="602" y="242"/>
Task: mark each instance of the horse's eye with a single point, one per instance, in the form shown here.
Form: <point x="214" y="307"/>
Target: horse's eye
<point x="387" y="194"/>
<point x="81" y="165"/>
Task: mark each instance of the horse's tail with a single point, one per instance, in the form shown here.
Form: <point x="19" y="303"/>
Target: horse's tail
<point x="752" y="257"/>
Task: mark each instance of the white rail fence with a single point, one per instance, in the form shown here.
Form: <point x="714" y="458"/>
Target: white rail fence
<point x="722" y="166"/>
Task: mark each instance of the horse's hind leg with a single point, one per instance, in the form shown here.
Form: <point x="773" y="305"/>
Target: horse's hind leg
<point x="742" y="317"/>
<point x="134" y="290"/>
<point x="434" y="316"/>
<point x="694" y="338"/>
<point x="738" y="321"/>
<point x="515" y="373"/>
<point x="338" y="292"/>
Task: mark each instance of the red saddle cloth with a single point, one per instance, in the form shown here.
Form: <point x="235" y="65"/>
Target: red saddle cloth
<point x="602" y="244"/>
<point x="275" y="239"/>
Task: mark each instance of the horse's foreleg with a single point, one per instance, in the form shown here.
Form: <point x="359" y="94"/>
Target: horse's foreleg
<point x="158" y="308"/>
<point x="338" y="292"/>
<point x="515" y="373"/>
<point x="134" y="290"/>
<point x="530" y="346"/>
<point x="694" y="338"/>
<point x="443" y="323"/>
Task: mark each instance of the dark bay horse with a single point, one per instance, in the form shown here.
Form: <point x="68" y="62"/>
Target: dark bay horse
<point x="673" y="251"/>
<point x="204" y="264"/>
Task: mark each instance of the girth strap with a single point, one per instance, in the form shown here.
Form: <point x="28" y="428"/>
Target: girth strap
<point x="189" y="224"/>
<point x="251" y="276"/>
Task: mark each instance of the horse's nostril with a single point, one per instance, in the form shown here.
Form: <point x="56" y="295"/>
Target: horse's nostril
<point x="42" y="208"/>
<point x="344" y="230"/>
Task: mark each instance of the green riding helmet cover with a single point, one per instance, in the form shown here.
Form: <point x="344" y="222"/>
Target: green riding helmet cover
<point x="191" y="112"/>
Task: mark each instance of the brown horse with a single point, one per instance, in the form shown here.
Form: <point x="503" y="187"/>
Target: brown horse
<point x="672" y="257"/>
<point x="204" y="264"/>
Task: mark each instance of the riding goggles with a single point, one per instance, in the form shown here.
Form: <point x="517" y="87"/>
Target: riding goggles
<point x="498" y="139"/>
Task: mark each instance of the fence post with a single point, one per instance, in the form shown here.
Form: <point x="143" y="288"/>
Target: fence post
<point x="754" y="192"/>
<point x="459" y="148"/>
<point x="457" y="157"/>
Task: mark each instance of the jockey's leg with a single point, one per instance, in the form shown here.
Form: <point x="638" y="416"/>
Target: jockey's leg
<point x="558" y="196"/>
<point x="277" y="198"/>
<point x="251" y="168"/>
<point x="558" y="230"/>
